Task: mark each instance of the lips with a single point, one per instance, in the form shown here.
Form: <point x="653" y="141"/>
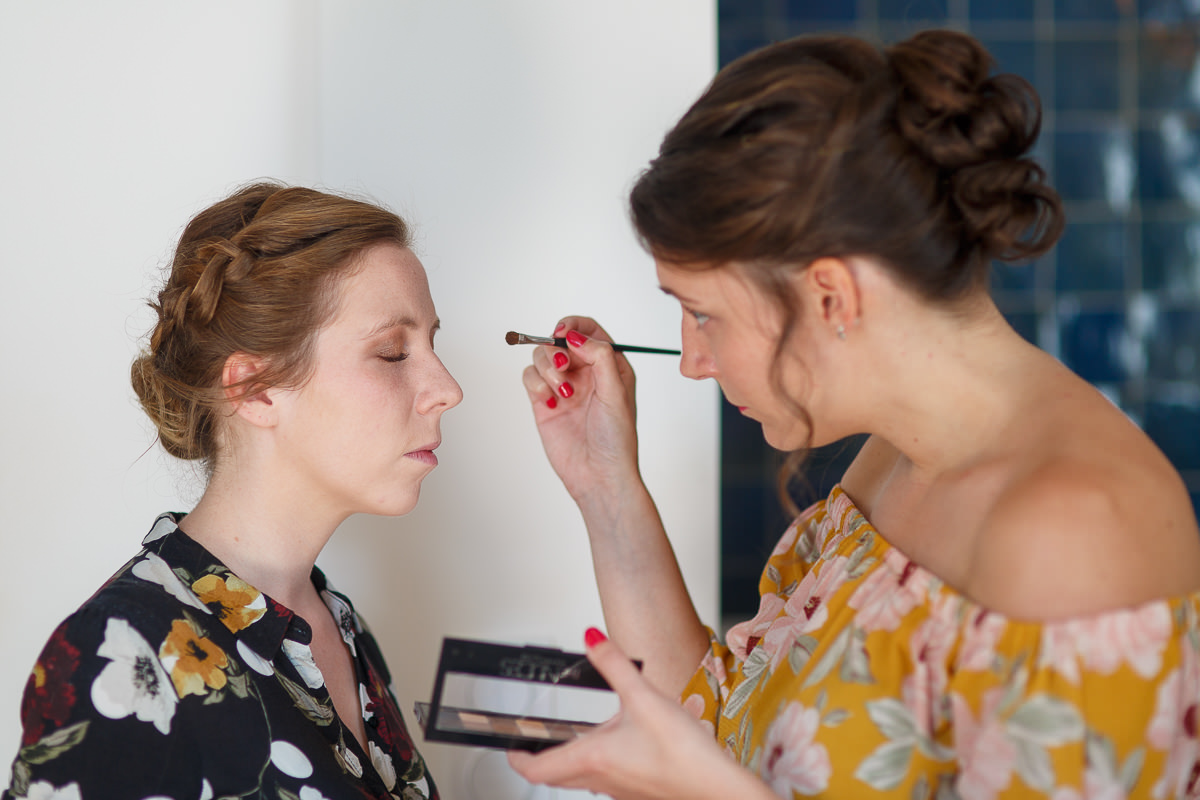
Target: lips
<point x="425" y="454"/>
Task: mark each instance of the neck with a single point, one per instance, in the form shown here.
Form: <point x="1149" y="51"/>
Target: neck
<point x="266" y="535"/>
<point x="947" y="392"/>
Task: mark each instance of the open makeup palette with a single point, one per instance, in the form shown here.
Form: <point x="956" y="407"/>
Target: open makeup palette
<point x="467" y="664"/>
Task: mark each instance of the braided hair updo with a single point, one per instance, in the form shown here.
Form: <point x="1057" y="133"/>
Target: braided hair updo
<point x="255" y="273"/>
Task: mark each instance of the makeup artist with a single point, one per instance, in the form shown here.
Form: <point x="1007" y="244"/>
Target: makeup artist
<point x="293" y="358"/>
<point x="1001" y="596"/>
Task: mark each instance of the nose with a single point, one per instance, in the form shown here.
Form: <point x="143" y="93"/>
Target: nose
<point x="442" y="393"/>
<point x="697" y="361"/>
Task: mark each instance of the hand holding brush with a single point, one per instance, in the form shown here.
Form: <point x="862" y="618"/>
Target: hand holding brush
<point x="512" y="337"/>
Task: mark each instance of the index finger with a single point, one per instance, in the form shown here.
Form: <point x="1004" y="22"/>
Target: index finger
<point x="613" y="665"/>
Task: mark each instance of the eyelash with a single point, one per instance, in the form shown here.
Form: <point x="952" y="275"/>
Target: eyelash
<point x="395" y="359"/>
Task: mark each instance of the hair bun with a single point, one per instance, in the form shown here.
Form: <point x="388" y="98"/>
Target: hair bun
<point x="950" y="107"/>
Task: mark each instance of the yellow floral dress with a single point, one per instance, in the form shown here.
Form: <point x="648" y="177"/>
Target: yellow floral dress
<point x="863" y="675"/>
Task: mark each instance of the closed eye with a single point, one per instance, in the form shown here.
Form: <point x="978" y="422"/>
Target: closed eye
<point x="395" y="358"/>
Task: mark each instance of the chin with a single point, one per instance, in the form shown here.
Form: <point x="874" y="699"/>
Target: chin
<point x="397" y="506"/>
<point x="789" y="440"/>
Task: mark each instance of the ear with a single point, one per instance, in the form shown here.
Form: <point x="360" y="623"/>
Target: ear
<point x="834" y="295"/>
<point x="248" y="398"/>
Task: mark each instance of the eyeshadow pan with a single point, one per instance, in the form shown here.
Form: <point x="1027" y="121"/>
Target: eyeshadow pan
<point x="476" y="722"/>
<point x="532" y="727"/>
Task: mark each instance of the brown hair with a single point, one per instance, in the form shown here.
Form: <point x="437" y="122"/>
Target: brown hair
<point x="254" y="273"/>
<point x="914" y="154"/>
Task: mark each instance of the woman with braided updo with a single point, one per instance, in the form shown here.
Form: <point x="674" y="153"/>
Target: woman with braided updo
<point x="1001" y="597"/>
<point x="293" y="356"/>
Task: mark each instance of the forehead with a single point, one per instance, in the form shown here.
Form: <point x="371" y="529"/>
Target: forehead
<point x="706" y="283"/>
<point x="387" y="282"/>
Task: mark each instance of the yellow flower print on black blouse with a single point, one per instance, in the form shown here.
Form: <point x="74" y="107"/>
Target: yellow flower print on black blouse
<point x="194" y="662"/>
<point x="241" y="604"/>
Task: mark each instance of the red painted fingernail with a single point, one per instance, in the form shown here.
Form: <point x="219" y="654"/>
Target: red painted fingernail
<point x="552" y="403"/>
<point x="566" y="390"/>
<point x="561" y="325"/>
<point x="575" y="338"/>
<point x="561" y="360"/>
<point x="593" y="637"/>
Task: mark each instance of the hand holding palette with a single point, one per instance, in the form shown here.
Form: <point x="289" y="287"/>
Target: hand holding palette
<point x="487" y="660"/>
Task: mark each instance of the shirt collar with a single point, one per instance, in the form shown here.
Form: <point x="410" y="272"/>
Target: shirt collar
<point x="256" y="619"/>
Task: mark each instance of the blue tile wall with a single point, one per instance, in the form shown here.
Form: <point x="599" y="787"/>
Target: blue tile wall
<point x="1118" y="300"/>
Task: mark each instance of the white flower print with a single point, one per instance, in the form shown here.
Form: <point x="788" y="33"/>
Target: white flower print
<point x="253" y="660"/>
<point x="364" y="701"/>
<point x="135" y="682"/>
<point x="302" y="658"/>
<point x="163" y="525"/>
<point x="383" y="765"/>
<point x="41" y="790"/>
<point x="793" y="761"/>
<point x="347" y="759"/>
<point x="309" y="793"/>
<point x="343" y="615"/>
<point x="290" y="760"/>
<point x="154" y="570"/>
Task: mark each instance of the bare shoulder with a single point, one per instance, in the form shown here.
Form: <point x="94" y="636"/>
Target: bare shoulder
<point x="1097" y="524"/>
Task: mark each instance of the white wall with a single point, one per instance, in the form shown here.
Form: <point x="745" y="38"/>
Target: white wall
<point x="507" y="132"/>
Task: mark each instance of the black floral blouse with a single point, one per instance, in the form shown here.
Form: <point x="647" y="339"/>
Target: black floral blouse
<point x="179" y="680"/>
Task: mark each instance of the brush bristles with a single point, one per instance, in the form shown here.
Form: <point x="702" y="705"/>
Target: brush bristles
<point x="512" y="337"/>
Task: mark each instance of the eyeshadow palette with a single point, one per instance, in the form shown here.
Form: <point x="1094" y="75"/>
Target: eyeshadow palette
<point x="495" y="729"/>
<point x="547" y="668"/>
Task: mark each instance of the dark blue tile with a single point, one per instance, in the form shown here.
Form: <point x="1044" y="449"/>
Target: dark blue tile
<point x="742" y="11"/>
<point x="909" y="10"/>
<point x="1091" y="10"/>
<point x="753" y="519"/>
<point x="1174" y="425"/>
<point x="1167" y="12"/>
<point x="1086" y="75"/>
<point x="824" y="468"/>
<point x="742" y="442"/>
<point x="1167" y="60"/>
<point x="1169" y="161"/>
<point x="1007" y="10"/>
<point x="1024" y="323"/>
<point x="1091" y="343"/>
<point x="731" y="48"/>
<point x="1173" y="346"/>
<point x="1018" y="57"/>
<point x="1014" y="278"/>
<point x="821" y="10"/>
<point x="1171" y="257"/>
<point x="1092" y="257"/>
<point x="1095" y="165"/>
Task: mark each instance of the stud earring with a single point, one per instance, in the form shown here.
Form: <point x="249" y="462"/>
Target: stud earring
<point x="841" y="332"/>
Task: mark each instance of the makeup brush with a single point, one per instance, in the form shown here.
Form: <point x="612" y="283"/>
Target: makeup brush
<point x="512" y="337"/>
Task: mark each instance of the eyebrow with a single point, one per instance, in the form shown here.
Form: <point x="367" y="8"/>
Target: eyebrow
<point x="402" y="321"/>
<point x="674" y="294"/>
